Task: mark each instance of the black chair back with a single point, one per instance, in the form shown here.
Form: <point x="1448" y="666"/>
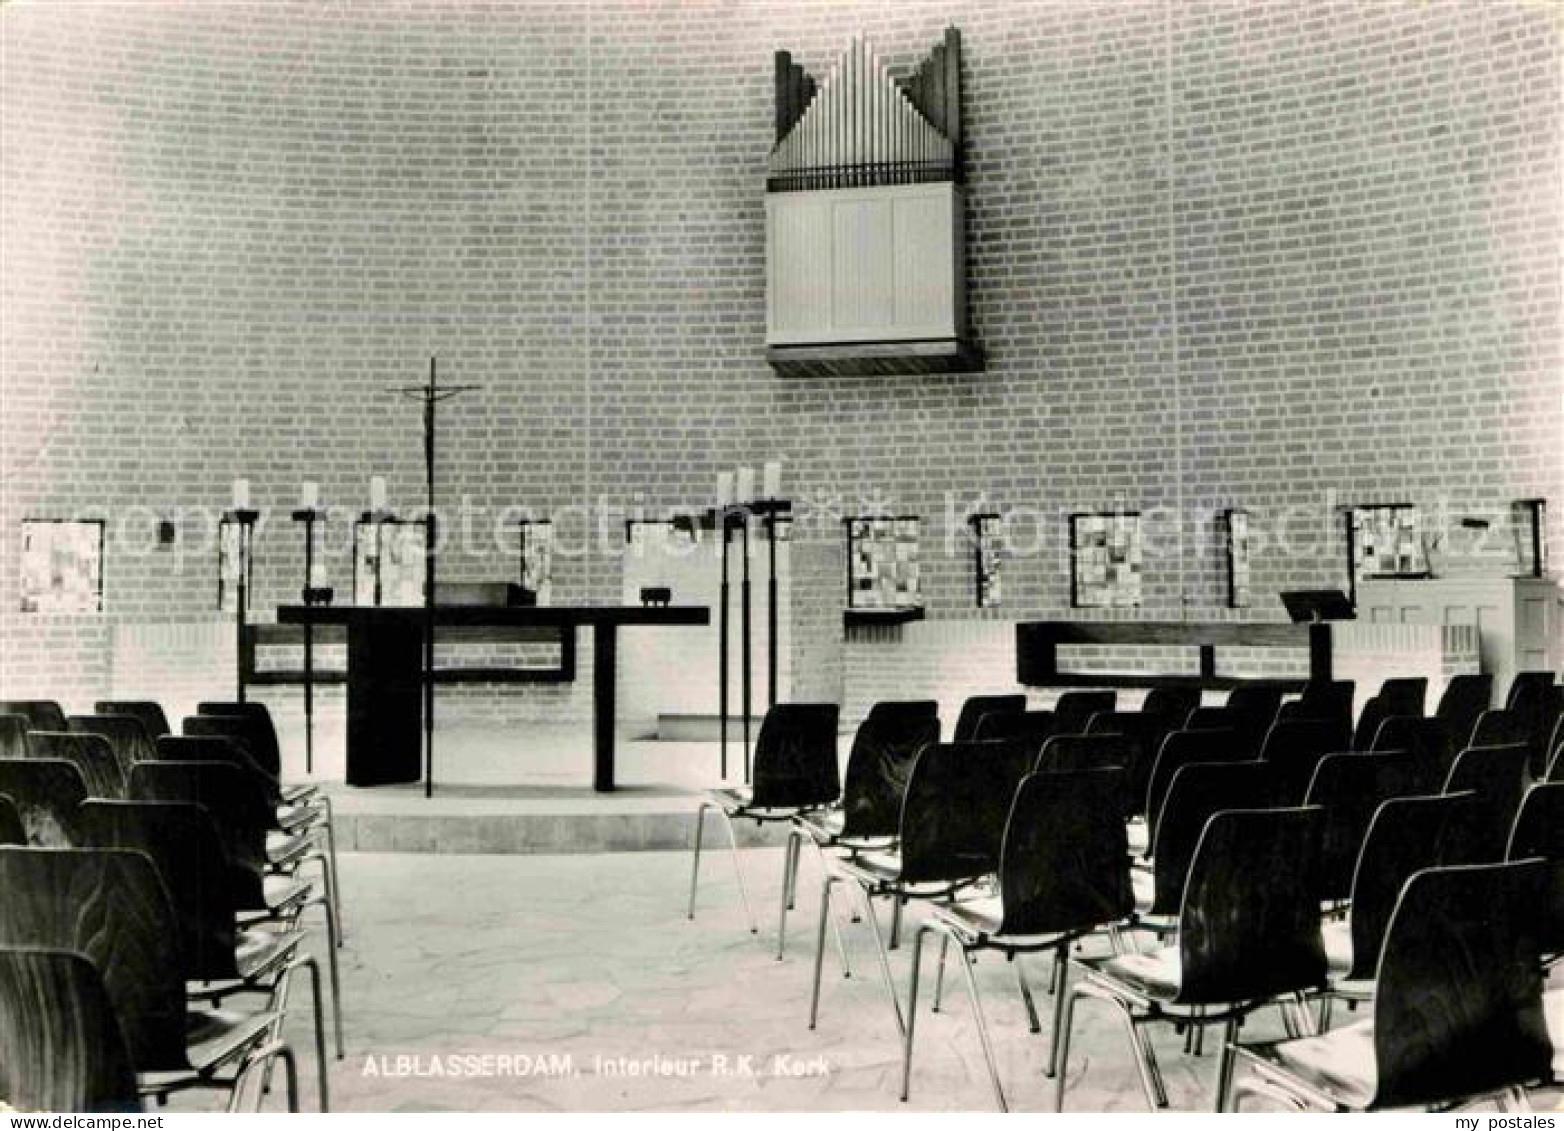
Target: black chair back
<point x="887" y="743"/>
<point x="47" y="795"/>
<point x="1406" y="835"/>
<point x="1539" y="832"/>
<point x="110" y="906"/>
<point x="1064" y="861"/>
<point x="1327" y="701"/>
<point x="125" y="734"/>
<point x="1197" y="792"/>
<point x="1396" y="697"/>
<point x="1075" y="709"/>
<point x="183" y="844"/>
<point x="90" y="753"/>
<point x="954" y="811"/>
<point x="41" y="714"/>
<point x="1458" y="1003"/>
<point x="150" y="713"/>
<point x="976" y="706"/>
<point x="1069" y="753"/>
<point x="1498" y="775"/>
<point x="1294" y="747"/>
<point x="1213" y="718"/>
<point x="1534" y="699"/>
<point x="13" y="736"/>
<point x="1556" y="768"/>
<point x="795" y="757"/>
<point x="253" y="734"/>
<point x="11" y="830"/>
<point x="1249" y="924"/>
<point x="1143" y="736"/>
<point x="1349" y="788"/>
<point x="1505" y="728"/>
<point x="1031" y="727"/>
<point x="1463" y="701"/>
<point x="64" y="1049"/>
<point x="188" y="748"/>
<point x="235" y="807"/>
<point x="1427" y="740"/>
<point x="1173" y="703"/>
<point x="1258" y="702"/>
<point x="1183" y="748"/>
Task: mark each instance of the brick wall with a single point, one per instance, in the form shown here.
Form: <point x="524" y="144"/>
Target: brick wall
<point x="1269" y="255"/>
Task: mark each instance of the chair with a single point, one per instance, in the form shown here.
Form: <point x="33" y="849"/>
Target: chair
<point x="976" y="706"/>
<point x="90" y="753"/>
<point x="1464" y="699"/>
<point x="126" y="735"/>
<point x="41" y="714"/>
<point x="884" y="748"/>
<point x="1074" y="709"/>
<point x="252" y="732"/>
<point x="1249" y="934"/>
<point x="1533" y="699"/>
<point x="952" y="820"/>
<point x="63" y="1047"/>
<point x="1498" y="776"/>
<point x="1539" y="831"/>
<point x="1070" y="753"/>
<point x="150" y="713"/>
<point x="13" y="736"/>
<point x="1350" y="788"/>
<point x="1033" y="728"/>
<point x="47" y="795"/>
<point x="1258" y="701"/>
<point x="1143" y="736"/>
<point x="1396" y="697"/>
<point x="1197" y="792"/>
<point x="1294" y="747"/>
<point x="110" y="906"/>
<point x="1406" y="835"/>
<point x="1427" y="740"/>
<point x="1172" y="702"/>
<point x="1183" y="748"/>
<point x="1504" y="728"/>
<point x="1328" y="701"/>
<point x="794" y="772"/>
<point x="1556" y="768"/>
<point x="1448" y="1026"/>
<point x="11" y="830"/>
<point x="182" y="842"/>
<point x="1063" y="873"/>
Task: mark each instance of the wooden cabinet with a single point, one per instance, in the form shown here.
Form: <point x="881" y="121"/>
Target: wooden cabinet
<point x="1518" y="618"/>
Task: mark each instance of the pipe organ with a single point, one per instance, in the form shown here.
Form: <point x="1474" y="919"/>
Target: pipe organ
<point x="864" y="218"/>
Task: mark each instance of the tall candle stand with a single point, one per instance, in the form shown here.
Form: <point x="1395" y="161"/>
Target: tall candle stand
<point x="245" y="519"/>
<point x="313" y="595"/>
<point x="773" y="513"/>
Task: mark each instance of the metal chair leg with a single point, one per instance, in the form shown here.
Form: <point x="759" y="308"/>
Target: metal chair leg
<point x="789" y="879"/>
<point x="912" y="1010"/>
<point x="1224" y="1071"/>
<point x="885" y="959"/>
<point x="1153" y="1071"/>
<point x="826" y="883"/>
<point x="982" y="1028"/>
<point x="939" y="972"/>
<point x="695" y="864"/>
<point x="307" y="962"/>
<point x="836" y="915"/>
<point x="336" y="982"/>
<point x="738" y="870"/>
<point x="897" y="904"/>
<point x="1066" y="1015"/>
<point x="1026" y="996"/>
<point x="795" y="846"/>
<point x="1061" y="976"/>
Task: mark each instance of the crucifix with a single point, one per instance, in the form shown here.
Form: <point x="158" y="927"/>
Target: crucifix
<point x="431" y="395"/>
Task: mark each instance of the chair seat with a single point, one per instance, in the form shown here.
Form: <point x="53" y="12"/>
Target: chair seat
<point x="1338" y="947"/>
<point x="738" y="802"/>
<point x="296" y="818"/>
<point x="870" y="867"/>
<point x="300" y="793"/>
<point x="285" y="849"/>
<point x="1339" y="1064"/>
<point x="258" y="952"/>
<point x="283" y="892"/>
<point x="1156" y="974"/>
<point x="974" y="918"/>
<point x="213" y="1038"/>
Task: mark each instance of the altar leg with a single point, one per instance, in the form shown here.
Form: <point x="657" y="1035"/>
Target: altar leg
<point x="605" y="647"/>
<point x="385" y="701"/>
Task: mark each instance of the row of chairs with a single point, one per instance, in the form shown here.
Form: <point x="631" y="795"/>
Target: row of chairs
<point x="152" y="879"/>
<point x="1022" y="826"/>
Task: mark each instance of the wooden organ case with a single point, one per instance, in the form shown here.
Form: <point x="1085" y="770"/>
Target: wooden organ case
<point x="865" y="253"/>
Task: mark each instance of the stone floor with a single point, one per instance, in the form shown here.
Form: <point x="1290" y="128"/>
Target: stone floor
<point x="565" y="964"/>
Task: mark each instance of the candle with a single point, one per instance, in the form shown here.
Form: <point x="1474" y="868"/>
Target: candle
<point x="309" y="495"/>
<point x="377" y="492"/>
<point x="773" y="479"/>
<point x="746" y="485"/>
<point x="724" y="488"/>
<point x="241" y="494"/>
